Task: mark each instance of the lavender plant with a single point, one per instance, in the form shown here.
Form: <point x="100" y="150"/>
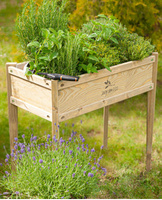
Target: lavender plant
<point x="52" y="169"/>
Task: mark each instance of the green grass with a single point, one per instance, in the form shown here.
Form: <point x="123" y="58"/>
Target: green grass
<point x="125" y="156"/>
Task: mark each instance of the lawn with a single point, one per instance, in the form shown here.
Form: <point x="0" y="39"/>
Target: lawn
<point x="125" y="157"/>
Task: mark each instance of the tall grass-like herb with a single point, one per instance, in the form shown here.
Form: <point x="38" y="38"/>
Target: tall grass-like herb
<point x="34" y="17"/>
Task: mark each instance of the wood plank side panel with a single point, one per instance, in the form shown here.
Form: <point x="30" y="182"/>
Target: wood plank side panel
<point x="31" y="93"/>
<point x="105" y="102"/>
<point x="30" y="108"/>
<point x="104" y="72"/>
<point x="33" y="79"/>
<point x="79" y="96"/>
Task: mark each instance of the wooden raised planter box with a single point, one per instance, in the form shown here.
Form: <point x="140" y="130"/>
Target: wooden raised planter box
<point x="58" y="101"/>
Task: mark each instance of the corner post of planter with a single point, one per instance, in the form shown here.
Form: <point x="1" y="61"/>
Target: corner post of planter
<point x="106" y="115"/>
<point x="55" y="120"/>
<point x="12" y="109"/>
<point x="151" y="96"/>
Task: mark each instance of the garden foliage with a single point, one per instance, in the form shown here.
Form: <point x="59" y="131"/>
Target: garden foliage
<point x="53" y="169"/>
<point x="51" y="47"/>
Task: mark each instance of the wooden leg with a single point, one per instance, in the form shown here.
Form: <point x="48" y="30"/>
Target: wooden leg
<point x="12" y="110"/>
<point x="150" y="121"/>
<point x="13" y="123"/>
<point x="55" y="120"/>
<point x="150" y="114"/>
<point x="105" y="138"/>
<point x="55" y="124"/>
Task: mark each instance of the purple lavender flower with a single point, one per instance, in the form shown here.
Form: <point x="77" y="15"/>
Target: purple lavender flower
<point x="70" y="151"/>
<point x="1" y="164"/>
<point x="6" y="160"/>
<point x="104" y="169"/>
<point x="5" y="193"/>
<point x="64" y="152"/>
<point x="20" y="157"/>
<point x="7" y="156"/>
<point x="90" y="174"/>
<point x="72" y="124"/>
<point x="83" y="149"/>
<point x="15" y="147"/>
<point x="83" y="140"/>
<point x="53" y="160"/>
<point x="16" y="139"/>
<point x="75" y="164"/>
<point x="78" y="148"/>
<point x="56" y="149"/>
<point x="41" y="161"/>
<point x="84" y="172"/>
<point x="81" y="136"/>
<point x="31" y="139"/>
<point x="102" y="146"/>
<point x="62" y="197"/>
<point x="48" y="167"/>
<point x="15" y="157"/>
<point x="17" y="193"/>
<point x="48" y="136"/>
<point x="22" y="150"/>
<point x="98" y="165"/>
<point x="58" y="126"/>
<point x="23" y="136"/>
<point x="28" y="149"/>
<point x="93" y="150"/>
<point x="6" y="172"/>
<point x="93" y="168"/>
<point x="70" y="139"/>
<point x="34" y="158"/>
<point x="67" y="142"/>
<point x="73" y="175"/>
<point x="66" y="166"/>
<point x="35" y="138"/>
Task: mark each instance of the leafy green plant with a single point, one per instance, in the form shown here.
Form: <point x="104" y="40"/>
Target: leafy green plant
<point x="57" y="53"/>
<point x="106" y="43"/>
<point x="51" y="169"/>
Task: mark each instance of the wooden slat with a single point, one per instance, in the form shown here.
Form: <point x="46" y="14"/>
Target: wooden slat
<point x="30" y="108"/>
<point x="55" y="112"/>
<point x="33" y="79"/>
<point x="97" y="90"/>
<point x="106" y="116"/>
<point x="12" y="110"/>
<point x="21" y="65"/>
<point x="104" y="72"/>
<point x="150" y="114"/>
<point x="105" y="102"/>
<point x="31" y="93"/>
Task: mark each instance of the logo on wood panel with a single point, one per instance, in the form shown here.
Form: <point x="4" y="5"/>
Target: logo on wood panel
<point x="109" y="87"/>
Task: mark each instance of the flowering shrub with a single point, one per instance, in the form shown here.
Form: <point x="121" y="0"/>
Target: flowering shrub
<point x="51" y="169"/>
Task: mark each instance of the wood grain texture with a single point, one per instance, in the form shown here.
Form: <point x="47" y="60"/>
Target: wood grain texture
<point x="104" y="72"/>
<point x="55" y="112"/>
<point x="105" y="102"/>
<point x="31" y="93"/>
<point x="33" y="79"/>
<point x="30" y="108"/>
<point x="106" y="116"/>
<point x="12" y="110"/>
<point x="150" y="114"/>
<point x="81" y="95"/>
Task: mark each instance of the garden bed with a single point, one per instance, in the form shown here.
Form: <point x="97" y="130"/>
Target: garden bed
<point x="58" y="101"/>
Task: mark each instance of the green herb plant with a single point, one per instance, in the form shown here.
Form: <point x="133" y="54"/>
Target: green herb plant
<point x="57" y="53"/>
<point x="101" y="43"/>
